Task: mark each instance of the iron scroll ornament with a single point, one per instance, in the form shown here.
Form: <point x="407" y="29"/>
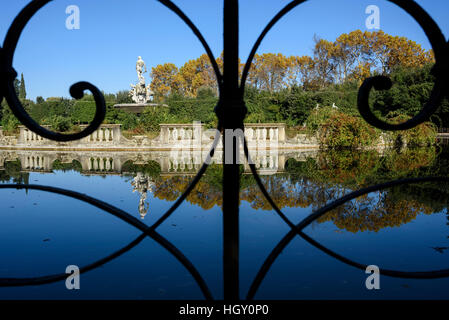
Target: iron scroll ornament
<point x="230" y="111"/>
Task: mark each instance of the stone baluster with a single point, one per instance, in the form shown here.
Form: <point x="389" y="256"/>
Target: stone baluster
<point x="182" y="165"/>
<point x="271" y="162"/>
<point x="189" y="135"/>
<point x="281" y="134"/>
<point x="250" y="134"/>
<point x="264" y="161"/>
<point x="175" y="164"/>
<point x="182" y="134"/>
<point x="175" y="134"/>
<point x="165" y="134"/>
<point x="264" y="134"/>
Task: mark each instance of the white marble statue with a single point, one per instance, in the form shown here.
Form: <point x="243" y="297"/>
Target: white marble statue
<point x="141" y="93"/>
<point x="140" y="67"/>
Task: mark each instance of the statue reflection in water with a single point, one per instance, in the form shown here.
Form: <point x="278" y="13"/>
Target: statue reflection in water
<point x="142" y="184"/>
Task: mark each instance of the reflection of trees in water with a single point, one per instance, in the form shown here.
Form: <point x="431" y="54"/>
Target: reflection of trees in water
<point x="388" y="208"/>
<point x="305" y="184"/>
<point x="375" y="213"/>
<point x="13" y="173"/>
<point x="317" y="181"/>
<point x="62" y="166"/>
<point x="205" y="195"/>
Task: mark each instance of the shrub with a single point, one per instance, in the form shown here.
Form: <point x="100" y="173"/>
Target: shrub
<point x="153" y="116"/>
<point x="342" y="131"/>
<point x="59" y="123"/>
<point x="422" y="135"/>
<point x="317" y="118"/>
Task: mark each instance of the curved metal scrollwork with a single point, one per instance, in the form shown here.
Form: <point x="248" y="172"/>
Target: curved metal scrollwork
<point x="230" y="111"/>
<point x="8" y="74"/>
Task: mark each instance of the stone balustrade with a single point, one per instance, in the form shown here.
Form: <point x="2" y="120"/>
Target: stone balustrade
<point x="171" y="136"/>
<point x="107" y="133"/>
<point x="265" y="132"/>
<point x="174" y="133"/>
<point x="27" y="136"/>
<point x="195" y="134"/>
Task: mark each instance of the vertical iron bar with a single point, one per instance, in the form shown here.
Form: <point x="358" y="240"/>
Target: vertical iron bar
<point x="231" y="177"/>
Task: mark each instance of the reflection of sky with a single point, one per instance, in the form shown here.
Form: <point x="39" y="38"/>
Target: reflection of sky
<point x="42" y="233"/>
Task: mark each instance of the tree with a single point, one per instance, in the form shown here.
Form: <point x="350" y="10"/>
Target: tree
<point x="269" y="71"/>
<point x="17" y="86"/>
<point x="197" y="73"/>
<point x="324" y="62"/>
<point x="301" y="71"/>
<point x="123" y="97"/>
<point x="22" y="89"/>
<point x="166" y="79"/>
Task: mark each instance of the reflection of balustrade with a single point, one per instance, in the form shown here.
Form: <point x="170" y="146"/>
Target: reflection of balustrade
<point x="176" y="161"/>
<point x="100" y="164"/>
<point x="35" y="162"/>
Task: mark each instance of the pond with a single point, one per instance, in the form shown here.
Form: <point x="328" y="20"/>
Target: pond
<point x="403" y="228"/>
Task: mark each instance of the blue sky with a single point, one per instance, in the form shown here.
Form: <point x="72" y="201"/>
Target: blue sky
<point x="114" y="32"/>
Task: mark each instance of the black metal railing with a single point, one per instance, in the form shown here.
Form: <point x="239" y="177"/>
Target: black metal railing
<point x="231" y="111"/>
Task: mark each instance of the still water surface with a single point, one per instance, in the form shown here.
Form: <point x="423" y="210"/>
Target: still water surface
<point x="404" y="228"/>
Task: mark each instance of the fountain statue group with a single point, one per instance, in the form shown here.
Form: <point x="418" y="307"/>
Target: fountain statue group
<point x="140" y="92"/>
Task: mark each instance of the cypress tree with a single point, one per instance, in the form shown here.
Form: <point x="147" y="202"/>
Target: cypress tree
<point x="22" y="89"/>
